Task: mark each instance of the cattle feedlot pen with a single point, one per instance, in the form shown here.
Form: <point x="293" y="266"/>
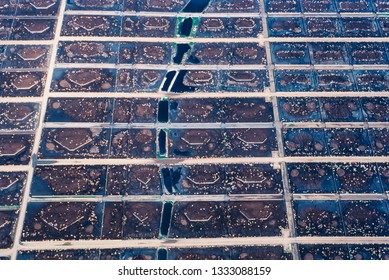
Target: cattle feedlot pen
<point x="194" y="130"/>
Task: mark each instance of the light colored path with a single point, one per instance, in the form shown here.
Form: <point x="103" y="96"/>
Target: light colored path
<point x="23" y="207"/>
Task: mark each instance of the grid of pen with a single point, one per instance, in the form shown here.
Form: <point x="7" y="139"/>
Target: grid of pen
<point x="194" y="129"/>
